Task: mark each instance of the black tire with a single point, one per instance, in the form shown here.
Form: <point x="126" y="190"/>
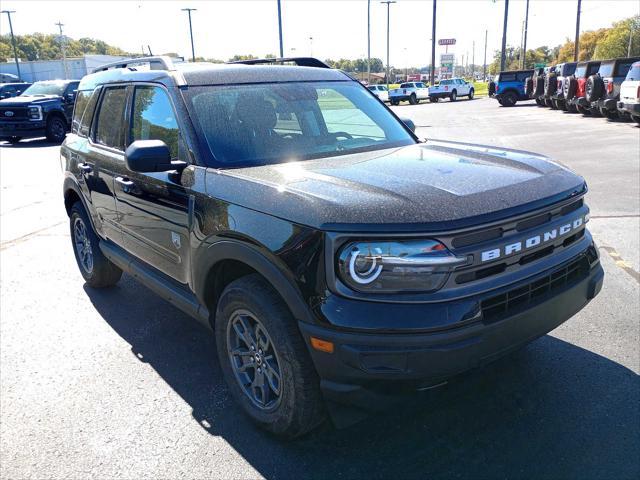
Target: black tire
<point x="434" y="99"/>
<point x="636" y="118"/>
<point x="528" y="87"/>
<point x="610" y="114"/>
<point x="14" y="140"/>
<point x="101" y="273"/>
<point x="492" y="88"/>
<point x="413" y="99"/>
<point x="509" y="99"/>
<point x="571" y="89"/>
<point x="299" y="407"/>
<point x="572" y="108"/>
<point x="595" y="111"/>
<point x="550" y="84"/>
<point x="56" y="129"/>
<point x="554" y="104"/>
<point x="539" y="90"/>
<point x="394" y="102"/>
<point x="583" y="110"/>
<point x="594" y="88"/>
<point x="548" y="102"/>
<point x="471" y="94"/>
<point x="454" y="96"/>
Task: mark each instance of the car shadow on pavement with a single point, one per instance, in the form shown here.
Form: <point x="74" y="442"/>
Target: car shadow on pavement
<point x="29" y="143"/>
<point x="550" y="410"/>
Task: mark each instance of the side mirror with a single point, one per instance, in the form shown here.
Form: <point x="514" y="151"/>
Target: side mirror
<point x="148" y="156"/>
<point x="409" y="123"/>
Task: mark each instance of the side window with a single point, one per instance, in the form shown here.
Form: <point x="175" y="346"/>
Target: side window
<point x="82" y="100"/>
<point x="153" y="118"/>
<point x="87" y="116"/>
<point x="110" y="118"/>
<point x="622" y="68"/>
<point x="508" y="77"/>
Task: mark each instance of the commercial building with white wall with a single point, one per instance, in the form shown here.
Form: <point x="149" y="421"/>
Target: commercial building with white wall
<point x="73" y="68"/>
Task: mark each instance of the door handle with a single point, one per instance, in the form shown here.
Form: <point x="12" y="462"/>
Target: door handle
<point x="125" y="182"/>
<point x="84" y="167"/>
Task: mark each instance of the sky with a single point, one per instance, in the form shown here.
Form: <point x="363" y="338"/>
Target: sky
<point x="338" y="27"/>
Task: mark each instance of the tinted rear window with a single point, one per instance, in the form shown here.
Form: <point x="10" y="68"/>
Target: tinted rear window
<point x="406" y="85"/>
<point x="568" y="70"/>
<point x="581" y="70"/>
<point x="508" y="77"/>
<point x="606" y="69"/>
<point x="593" y="68"/>
<point x="634" y="72"/>
<point x="522" y="76"/>
<point x="622" y="68"/>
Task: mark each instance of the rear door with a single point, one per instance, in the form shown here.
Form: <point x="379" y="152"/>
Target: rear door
<point x="153" y="207"/>
<point x="104" y="157"/>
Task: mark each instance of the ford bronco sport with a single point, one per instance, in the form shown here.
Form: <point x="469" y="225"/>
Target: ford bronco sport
<point x="42" y="110"/>
<point x="575" y="86"/>
<point x="338" y="259"/>
<point x="603" y="88"/>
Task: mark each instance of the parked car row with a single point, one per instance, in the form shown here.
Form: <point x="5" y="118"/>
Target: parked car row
<point x="413" y="92"/>
<point x="608" y="88"/>
<point x="43" y="109"/>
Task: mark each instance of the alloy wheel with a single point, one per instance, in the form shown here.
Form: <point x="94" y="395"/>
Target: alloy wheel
<point x="83" y="245"/>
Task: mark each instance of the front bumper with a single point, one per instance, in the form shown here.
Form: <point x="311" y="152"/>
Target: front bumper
<point x="369" y="370"/>
<point x="27" y="129"/>
<point x="633" y="108"/>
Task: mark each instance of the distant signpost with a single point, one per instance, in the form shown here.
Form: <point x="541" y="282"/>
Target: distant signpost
<point x="447" y="60"/>
<point x="447" y="41"/>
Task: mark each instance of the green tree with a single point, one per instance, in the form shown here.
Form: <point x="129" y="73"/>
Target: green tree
<point x="616" y="41"/>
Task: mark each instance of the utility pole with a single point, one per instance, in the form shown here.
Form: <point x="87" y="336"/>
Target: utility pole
<point x="311" y="46"/>
<point x="193" y="52"/>
<point x="280" y="29"/>
<point x="484" y="64"/>
<point x="13" y="40"/>
<point x="64" y="50"/>
<point x="526" y="31"/>
<point x="473" y="62"/>
<point x="577" y="46"/>
<point x="503" y="53"/>
<point x="432" y="73"/>
<point x="369" y="42"/>
<point x="388" y="2"/>
<point x="631" y="28"/>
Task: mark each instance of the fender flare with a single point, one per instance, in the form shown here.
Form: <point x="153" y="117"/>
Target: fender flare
<point x="70" y="183"/>
<point x="248" y="254"/>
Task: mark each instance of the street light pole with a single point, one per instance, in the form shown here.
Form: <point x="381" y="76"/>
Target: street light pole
<point x="311" y="46"/>
<point x="504" y="36"/>
<point x="13" y="40"/>
<point x="388" y="2"/>
<point x="193" y="52"/>
<point x="576" y="43"/>
<point x="64" y="50"/>
<point x="280" y="29"/>
<point x="432" y="73"/>
<point x="484" y="65"/>
<point x="526" y="31"/>
<point x="369" y="42"/>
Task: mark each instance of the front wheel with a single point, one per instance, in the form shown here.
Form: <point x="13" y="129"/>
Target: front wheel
<point x="264" y="359"/>
<point x="96" y="269"/>
<point x="56" y="129"/>
<point x="509" y="99"/>
<point x="413" y="99"/>
<point x="610" y="114"/>
<point x="471" y="94"/>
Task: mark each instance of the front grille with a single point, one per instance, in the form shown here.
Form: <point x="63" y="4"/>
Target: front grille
<point x="506" y="304"/>
<point x="19" y="113"/>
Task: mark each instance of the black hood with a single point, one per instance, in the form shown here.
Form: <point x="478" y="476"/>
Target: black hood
<point x="431" y="186"/>
<point x="24" y="100"/>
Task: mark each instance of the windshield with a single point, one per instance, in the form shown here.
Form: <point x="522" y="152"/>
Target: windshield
<point x="46" y="88"/>
<point x="257" y="124"/>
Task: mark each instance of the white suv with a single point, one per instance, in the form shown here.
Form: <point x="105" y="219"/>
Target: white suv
<point x="380" y="91"/>
<point x="630" y="93"/>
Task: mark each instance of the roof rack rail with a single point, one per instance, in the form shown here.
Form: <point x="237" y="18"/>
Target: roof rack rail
<point x="299" y="61"/>
<point x="165" y="63"/>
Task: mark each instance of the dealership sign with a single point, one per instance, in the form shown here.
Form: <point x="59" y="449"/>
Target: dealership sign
<point x="447" y="58"/>
<point x="447" y="41"/>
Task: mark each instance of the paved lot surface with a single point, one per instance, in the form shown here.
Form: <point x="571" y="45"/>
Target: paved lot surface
<point x="118" y="384"/>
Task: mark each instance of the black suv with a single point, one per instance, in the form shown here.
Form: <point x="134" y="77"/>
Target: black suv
<point x="603" y="88"/>
<point x="43" y="109"/>
<point x="10" y="90"/>
<point x="339" y="259"/>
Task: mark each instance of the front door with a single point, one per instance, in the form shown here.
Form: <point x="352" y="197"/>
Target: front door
<point x="153" y="208"/>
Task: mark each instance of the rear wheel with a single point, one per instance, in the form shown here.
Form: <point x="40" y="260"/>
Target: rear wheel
<point x="635" y="118"/>
<point x="610" y="114"/>
<point x="413" y="99"/>
<point x="509" y="99"/>
<point x="96" y="269"/>
<point x="548" y="102"/>
<point x="394" y="102"/>
<point x="264" y="359"/>
<point x="582" y="110"/>
<point x="433" y="99"/>
<point x="56" y="129"/>
<point x="572" y="108"/>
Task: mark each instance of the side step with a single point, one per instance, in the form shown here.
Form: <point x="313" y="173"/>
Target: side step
<point x="176" y="296"/>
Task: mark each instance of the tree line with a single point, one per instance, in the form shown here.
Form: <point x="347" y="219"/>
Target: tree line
<point x="593" y="45"/>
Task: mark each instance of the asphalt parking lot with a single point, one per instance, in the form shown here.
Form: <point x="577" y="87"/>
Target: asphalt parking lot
<point x="119" y="384"/>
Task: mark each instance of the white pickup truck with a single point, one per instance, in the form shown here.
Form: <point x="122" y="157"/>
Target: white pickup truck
<point x="411" y="92"/>
<point x="452" y="89"/>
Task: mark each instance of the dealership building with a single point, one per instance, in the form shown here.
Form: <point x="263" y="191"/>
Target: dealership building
<point x="71" y="68"/>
